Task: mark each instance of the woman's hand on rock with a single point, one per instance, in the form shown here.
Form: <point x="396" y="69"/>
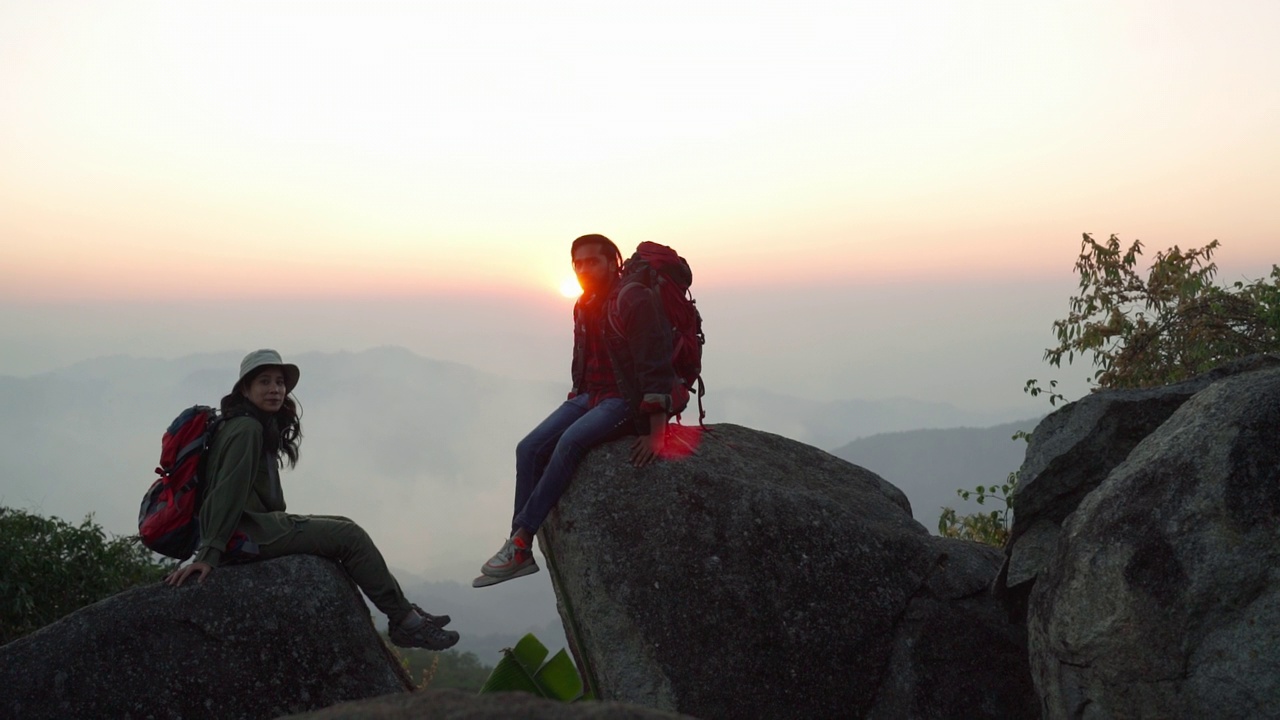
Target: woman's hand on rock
<point x="179" y="576"/>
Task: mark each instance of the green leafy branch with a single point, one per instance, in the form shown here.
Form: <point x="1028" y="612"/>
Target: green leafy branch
<point x="991" y="527"/>
<point x="1166" y="327"/>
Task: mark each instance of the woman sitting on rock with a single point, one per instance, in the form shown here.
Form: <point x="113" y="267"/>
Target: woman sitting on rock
<point x="243" y="498"/>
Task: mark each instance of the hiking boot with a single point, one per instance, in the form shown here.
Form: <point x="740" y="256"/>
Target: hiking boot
<point x="424" y="634"/>
<point x="514" y="560"/>
<point x="437" y="620"/>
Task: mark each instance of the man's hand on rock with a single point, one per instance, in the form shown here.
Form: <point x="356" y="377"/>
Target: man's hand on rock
<point x="648" y="448"/>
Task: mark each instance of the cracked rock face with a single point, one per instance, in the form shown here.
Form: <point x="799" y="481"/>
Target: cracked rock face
<point x="253" y="641"/>
<point x="762" y="577"/>
<point x="1161" y="598"/>
<point x="1072" y="451"/>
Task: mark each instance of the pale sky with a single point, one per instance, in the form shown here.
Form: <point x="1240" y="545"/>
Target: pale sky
<point x="897" y="190"/>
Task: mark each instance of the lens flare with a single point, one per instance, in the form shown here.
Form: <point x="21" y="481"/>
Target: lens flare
<point x="570" y="288"/>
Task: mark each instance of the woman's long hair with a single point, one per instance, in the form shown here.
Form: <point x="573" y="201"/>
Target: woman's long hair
<point x="281" y="430"/>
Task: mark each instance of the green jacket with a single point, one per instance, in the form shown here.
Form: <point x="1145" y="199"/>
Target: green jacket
<point x="243" y="491"/>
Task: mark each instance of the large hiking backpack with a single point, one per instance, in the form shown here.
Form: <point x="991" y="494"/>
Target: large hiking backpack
<point x="661" y="269"/>
<point x="169" y="519"/>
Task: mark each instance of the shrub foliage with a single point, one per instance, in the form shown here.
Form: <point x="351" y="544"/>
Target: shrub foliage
<point x="990" y="527"/>
<point x="49" y="568"/>
<point x="448" y="669"/>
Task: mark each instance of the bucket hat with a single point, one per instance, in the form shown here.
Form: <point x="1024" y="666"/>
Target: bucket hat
<point x="260" y="358"/>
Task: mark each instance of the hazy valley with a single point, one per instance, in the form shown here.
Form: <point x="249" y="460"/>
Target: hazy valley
<point x="420" y="452"/>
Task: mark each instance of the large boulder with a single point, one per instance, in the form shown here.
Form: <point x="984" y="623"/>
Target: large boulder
<point x="253" y="641"/>
<point x="761" y="577"/>
<point x="1161" y="598"/>
<point x="1071" y="452"/>
<point x="458" y="705"/>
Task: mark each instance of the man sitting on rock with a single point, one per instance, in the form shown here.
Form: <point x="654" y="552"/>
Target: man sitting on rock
<point x="622" y="382"/>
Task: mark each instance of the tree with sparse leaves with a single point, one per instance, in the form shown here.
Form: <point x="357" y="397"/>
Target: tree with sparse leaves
<point x="1169" y="326"/>
<point x="1140" y="332"/>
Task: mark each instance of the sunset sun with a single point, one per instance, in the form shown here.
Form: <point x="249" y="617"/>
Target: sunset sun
<point x="570" y="288"/>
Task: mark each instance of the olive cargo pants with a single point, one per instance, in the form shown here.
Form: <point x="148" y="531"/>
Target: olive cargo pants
<point x="342" y="540"/>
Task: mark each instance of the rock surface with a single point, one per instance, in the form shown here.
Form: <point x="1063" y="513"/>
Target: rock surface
<point x="1161" y="597"/>
<point x="1071" y="452"/>
<point x="253" y="641"/>
<point x="458" y="705"/>
<point x="762" y="577"/>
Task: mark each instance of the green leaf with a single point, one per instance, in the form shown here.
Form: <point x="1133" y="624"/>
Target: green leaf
<point x="530" y="652"/>
<point x="508" y="676"/>
<point x="559" y="678"/>
<point x="522" y="669"/>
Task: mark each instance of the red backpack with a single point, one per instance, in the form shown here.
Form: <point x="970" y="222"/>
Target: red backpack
<point x="661" y="269"/>
<point x="169" y="519"/>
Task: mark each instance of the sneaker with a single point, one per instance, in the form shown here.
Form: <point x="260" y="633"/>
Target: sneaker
<point x="514" y="560"/>
<point x="422" y="634"/>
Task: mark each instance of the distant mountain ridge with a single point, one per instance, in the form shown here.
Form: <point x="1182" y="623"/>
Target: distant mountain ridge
<point x="407" y="445"/>
<point x="930" y="465"/>
<point x="394" y="418"/>
<point x="419" y="451"/>
<point x="828" y="424"/>
<point x="414" y="449"/>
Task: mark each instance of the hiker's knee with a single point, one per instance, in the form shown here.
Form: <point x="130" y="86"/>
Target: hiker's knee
<point x="578" y="439"/>
<point x="337" y="537"/>
<point x="527" y="449"/>
<point x="351" y="531"/>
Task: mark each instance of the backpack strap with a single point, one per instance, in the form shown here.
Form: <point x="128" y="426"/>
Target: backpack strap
<point x="619" y="351"/>
<point x="702" y="414"/>
<point x="613" y="309"/>
<point x="615" y="343"/>
<point x="215" y="424"/>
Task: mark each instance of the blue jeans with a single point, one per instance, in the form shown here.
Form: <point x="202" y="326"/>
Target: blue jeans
<point x="547" y="456"/>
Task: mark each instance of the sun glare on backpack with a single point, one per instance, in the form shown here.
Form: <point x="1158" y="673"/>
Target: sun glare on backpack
<point x="570" y="288"/>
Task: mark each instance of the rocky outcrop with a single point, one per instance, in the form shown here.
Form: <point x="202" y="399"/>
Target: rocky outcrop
<point x="1161" y="597"/>
<point x="459" y="705"/>
<point x="1071" y="452"/>
<point x="762" y="577"/>
<point x="253" y="641"/>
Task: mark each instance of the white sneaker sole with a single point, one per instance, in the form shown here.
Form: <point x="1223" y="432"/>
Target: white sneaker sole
<point x="487" y="580"/>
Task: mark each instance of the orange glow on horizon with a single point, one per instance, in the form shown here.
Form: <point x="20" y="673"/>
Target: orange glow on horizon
<point x="136" y="274"/>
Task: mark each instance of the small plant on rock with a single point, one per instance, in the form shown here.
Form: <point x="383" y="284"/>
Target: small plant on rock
<point x="991" y="527"/>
